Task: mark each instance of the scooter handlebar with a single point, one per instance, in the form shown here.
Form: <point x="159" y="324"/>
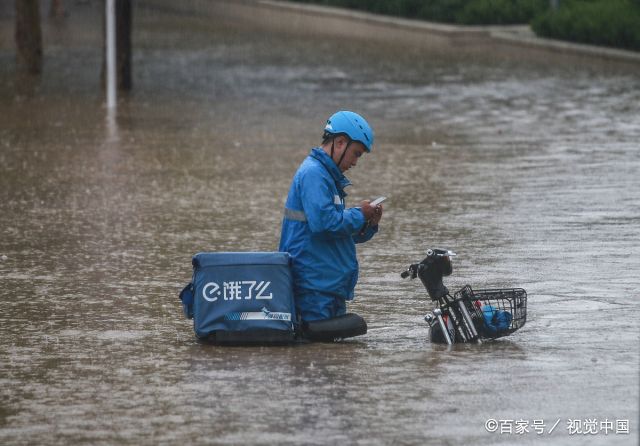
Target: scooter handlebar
<point x="411" y="272"/>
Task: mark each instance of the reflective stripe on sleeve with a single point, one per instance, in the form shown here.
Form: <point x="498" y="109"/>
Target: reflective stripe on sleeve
<point x="292" y="214"/>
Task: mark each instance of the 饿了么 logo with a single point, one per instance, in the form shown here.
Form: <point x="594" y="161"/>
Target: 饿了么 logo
<point x="236" y="290"/>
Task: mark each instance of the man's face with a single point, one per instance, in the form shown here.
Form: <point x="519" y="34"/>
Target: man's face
<point x="354" y="152"/>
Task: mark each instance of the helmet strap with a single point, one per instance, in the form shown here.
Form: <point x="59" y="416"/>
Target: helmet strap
<point x="344" y="152"/>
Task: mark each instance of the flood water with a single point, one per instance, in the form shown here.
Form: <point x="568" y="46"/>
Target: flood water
<point x="528" y="168"/>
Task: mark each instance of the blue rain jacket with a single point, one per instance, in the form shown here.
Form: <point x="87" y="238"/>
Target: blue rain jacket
<point x="319" y="233"/>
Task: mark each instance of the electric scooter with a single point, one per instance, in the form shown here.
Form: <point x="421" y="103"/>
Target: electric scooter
<point x="469" y="315"/>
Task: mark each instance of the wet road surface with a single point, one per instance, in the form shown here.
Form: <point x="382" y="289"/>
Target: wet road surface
<point x="528" y="170"/>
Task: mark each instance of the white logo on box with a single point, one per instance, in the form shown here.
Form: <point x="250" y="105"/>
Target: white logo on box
<point x="237" y="290"/>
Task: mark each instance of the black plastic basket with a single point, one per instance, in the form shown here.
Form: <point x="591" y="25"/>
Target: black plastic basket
<point x="491" y="309"/>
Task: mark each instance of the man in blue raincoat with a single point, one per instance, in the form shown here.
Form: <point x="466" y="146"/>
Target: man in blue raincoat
<point x="318" y="231"/>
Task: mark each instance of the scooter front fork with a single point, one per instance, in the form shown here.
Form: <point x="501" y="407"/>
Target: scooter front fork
<point x="465" y="327"/>
<point x="437" y="314"/>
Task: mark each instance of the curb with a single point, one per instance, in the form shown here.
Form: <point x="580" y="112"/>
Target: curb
<point x="517" y="35"/>
<point x="567" y="47"/>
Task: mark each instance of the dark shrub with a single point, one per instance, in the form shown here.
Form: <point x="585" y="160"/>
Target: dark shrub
<point x="503" y="12"/>
<point x="449" y="11"/>
<point x="599" y="22"/>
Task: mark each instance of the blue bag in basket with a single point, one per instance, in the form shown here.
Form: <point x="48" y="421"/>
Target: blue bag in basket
<point x="241" y="297"/>
<point x="496" y="320"/>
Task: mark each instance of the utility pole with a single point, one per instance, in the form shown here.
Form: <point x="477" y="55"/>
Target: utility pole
<point x="116" y="69"/>
<point x="110" y="39"/>
<point x="28" y="37"/>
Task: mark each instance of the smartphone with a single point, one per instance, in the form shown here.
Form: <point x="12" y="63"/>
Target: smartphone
<point x="377" y="201"/>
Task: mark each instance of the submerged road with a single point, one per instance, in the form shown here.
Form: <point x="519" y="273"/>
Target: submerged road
<point x="527" y="167"/>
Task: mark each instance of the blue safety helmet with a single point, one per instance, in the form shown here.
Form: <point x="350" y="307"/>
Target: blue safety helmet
<point x="351" y="124"/>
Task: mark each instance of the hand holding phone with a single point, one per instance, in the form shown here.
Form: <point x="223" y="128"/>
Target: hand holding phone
<point x="377" y="201"/>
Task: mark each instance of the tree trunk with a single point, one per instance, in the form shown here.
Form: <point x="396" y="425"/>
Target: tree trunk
<point x="123" y="43"/>
<point x="28" y="36"/>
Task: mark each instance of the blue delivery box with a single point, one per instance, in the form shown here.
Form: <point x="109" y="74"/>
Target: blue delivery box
<point x="241" y="297"/>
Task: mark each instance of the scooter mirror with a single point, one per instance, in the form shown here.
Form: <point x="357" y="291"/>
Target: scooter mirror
<point x="431" y="270"/>
<point x="447" y="266"/>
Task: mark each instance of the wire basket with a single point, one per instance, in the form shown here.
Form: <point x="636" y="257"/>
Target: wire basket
<point x="495" y="312"/>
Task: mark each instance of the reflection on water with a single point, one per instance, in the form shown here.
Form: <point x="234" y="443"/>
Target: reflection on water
<point x="528" y="170"/>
